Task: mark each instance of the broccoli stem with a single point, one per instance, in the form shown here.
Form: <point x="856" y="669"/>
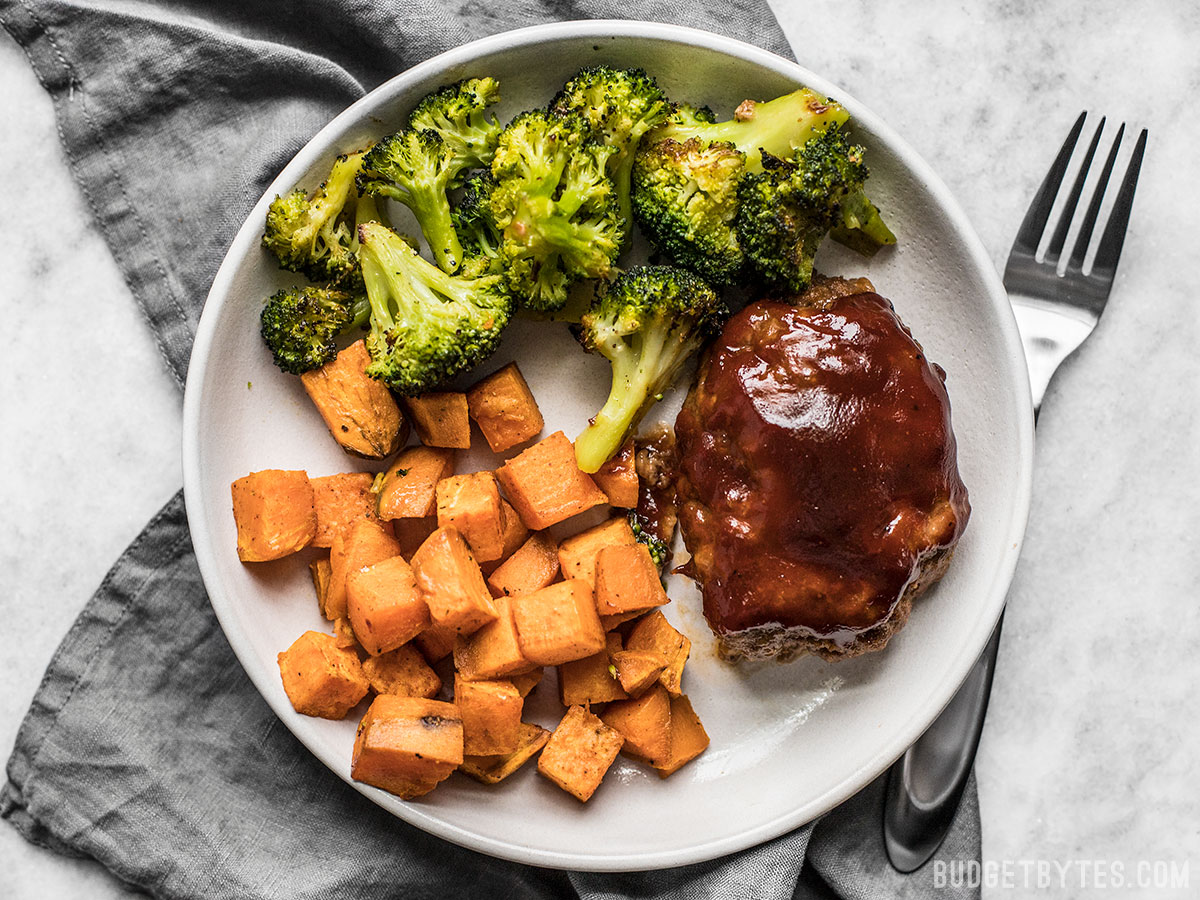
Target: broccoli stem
<point x="428" y="203"/>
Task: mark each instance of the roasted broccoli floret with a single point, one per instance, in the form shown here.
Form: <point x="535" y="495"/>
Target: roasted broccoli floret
<point x="659" y="551"/>
<point x="785" y="211"/>
<point x="300" y="326"/>
<point x="478" y="234"/>
<point x="553" y="205"/>
<point x="426" y="326"/>
<point x="456" y="113"/>
<point x="647" y="324"/>
<point x="311" y="234"/>
<point x="686" y="175"/>
<point x="619" y="106"/>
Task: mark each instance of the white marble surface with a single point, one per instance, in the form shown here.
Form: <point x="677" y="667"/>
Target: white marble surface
<point x="1091" y="759"/>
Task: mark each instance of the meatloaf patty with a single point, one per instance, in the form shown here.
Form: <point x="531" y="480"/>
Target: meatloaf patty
<point x="818" y="484"/>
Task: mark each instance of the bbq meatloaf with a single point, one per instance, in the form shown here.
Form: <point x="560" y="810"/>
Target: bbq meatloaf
<point x="818" y="483"/>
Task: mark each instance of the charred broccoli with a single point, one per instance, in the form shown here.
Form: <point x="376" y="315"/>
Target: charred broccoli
<point x="619" y="106"/>
<point x="785" y="211"/>
<point x="447" y="134"/>
<point x="647" y="324"/>
<point x="659" y="551"/>
<point x="553" y="205"/>
<point x="426" y="326"/>
<point x="300" y="326"/>
<point x="312" y="234"/>
<point x="686" y="175"/>
<point x="476" y="231"/>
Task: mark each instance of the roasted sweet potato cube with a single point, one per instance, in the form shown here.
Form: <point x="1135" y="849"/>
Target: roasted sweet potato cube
<point x="515" y="533"/>
<point x="504" y="409"/>
<point x="491" y="715"/>
<point x="471" y="504"/>
<point x="274" y="513"/>
<point x="618" y="478"/>
<point x="579" y="752"/>
<point x="344" y="632"/>
<point x="494" y="650"/>
<point x="361" y="413"/>
<point x="654" y="632"/>
<point x="611" y="622"/>
<point x="577" y="554"/>
<point x="340" y="501"/>
<point x="627" y="580"/>
<point x="527" y="681"/>
<point x="436" y="642"/>
<point x="402" y="671"/>
<point x="411" y="533"/>
<point x="407" y="745"/>
<point x="494" y="769"/>
<point x="638" y="669"/>
<point x="546" y="486"/>
<point x="384" y="605"/>
<point x="533" y="566"/>
<point x="645" y="723"/>
<point x="688" y="737"/>
<point x="320" y="569"/>
<point x="451" y="583"/>
<point x="441" y="419"/>
<point x="363" y="544"/>
<point x="408" y="489"/>
<point x="589" y="680"/>
<point x="320" y="678"/>
<point x="558" y="623"/>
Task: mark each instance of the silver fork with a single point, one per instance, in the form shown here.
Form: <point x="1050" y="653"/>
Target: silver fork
<point x="1055" y="313"/>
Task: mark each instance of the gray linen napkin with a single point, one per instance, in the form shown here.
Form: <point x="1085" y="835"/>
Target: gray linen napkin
<point x="146" y="747"/>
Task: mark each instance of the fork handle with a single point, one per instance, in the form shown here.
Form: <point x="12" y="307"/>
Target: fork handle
<point x="926" y="784"/>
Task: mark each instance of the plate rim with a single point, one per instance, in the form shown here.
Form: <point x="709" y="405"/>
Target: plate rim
<point x="247" y="237"/>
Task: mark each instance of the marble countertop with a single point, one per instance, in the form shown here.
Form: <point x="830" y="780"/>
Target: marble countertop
<point x="1090" y="763"/>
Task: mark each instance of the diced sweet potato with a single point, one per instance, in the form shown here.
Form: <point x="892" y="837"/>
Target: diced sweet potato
<point x="491" y="716"/>
<point x="436" y="642"/>
<point x="384" y="606"/>
<point x="618" y="478"/>
<point x="320" y="678"/>
<point x="515" y="533"/>
<point x="627" y="580"/>
<point x="451" y="583"/>
<point x="654" y="632"/>
<point x="638" y="669"/>
<point x="588" y="680"/>
<point x="688" y="737"/>
<point x="344" y="632"/>
<point x="402" y="671"/>
<point x="530" y="568"/>
<point x="492" y="651"/>
<point x="361" y="413"/>
<point x="274" y="513"/>
<point x="577" y="554"/>
<point x="320" y="569"/>
<point x="441" y="419"/>
<point x="411" y="533"/>
<point x="471" y="504"/>
<point x="341" y="500"/>
<point x="558" y="623"/>
<point x="408" y="489"/>
<point x="407" y="745"/>
<point x="365" y="543"/>
<point x="546" y="486"/>
<point x="611" y="622"/>
<point x="527" y="681"/>
<point x="494" y="769"/>
<point x="579" y="752"/>
<point x="504" y="409"/>
<point x="645" y="723"/>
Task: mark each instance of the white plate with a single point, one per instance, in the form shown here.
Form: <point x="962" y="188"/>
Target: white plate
<point x="789" y="742"/>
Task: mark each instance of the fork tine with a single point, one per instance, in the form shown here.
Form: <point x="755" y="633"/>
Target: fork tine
<point x="1034" y="223"/>
<point x="1109" y="251"/>
<point x="1075" y="263"/>
<point x="1064" y="222"/>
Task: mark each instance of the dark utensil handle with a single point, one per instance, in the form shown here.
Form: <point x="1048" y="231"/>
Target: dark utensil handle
<point x="926" y="784"/>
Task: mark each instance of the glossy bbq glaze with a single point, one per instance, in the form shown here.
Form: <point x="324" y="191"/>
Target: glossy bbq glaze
<point x="818" y="473"/>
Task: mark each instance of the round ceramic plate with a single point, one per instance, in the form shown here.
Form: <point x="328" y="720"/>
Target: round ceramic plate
<point x="789" y="742"/>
